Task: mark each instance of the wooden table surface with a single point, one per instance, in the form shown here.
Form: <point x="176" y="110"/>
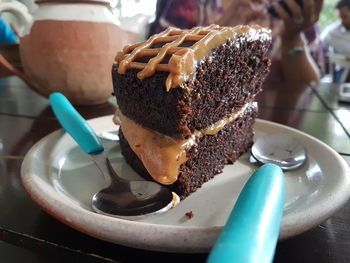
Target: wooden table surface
<point x="28" y="234"/>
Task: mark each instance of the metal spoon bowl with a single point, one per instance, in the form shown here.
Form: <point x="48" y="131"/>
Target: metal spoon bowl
<point x="281" y="149"/>
<point x="129" y="199"/>
<point x="121" y="198"/>
<point x="109" y="135"/>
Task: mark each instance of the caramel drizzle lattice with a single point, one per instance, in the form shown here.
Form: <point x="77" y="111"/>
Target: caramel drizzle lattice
<point x="174" y="36"/>
<point x="182" y="60"/>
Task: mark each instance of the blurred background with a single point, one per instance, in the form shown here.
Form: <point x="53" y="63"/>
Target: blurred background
<point x="131" y="8"/>
<point x="329" y="14"/>
<point x="136" y="15"/>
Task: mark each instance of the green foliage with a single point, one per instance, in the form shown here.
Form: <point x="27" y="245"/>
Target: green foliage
<point x="328" y="14"/>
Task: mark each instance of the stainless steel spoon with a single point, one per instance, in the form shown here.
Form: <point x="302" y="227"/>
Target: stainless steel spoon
<point x="281" y="149"/>
<point x="121" y="198"/>
<point x="109" y="135"/>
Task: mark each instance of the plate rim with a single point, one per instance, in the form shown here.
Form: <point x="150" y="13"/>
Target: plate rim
<point x="203" y="237"/>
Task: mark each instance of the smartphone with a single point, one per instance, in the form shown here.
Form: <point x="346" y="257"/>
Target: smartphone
<point x="344" y="92"/>
<point x="273" y="13"/>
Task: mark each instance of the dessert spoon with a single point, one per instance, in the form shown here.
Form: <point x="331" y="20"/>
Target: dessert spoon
<point x="251" y="231"/>
<point x="281" y="149"/>
<point x="121" y="198"/>
<point x="109" y="135"/>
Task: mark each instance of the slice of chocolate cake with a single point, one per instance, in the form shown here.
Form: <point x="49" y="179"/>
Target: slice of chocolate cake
<point x="186" y="101"/>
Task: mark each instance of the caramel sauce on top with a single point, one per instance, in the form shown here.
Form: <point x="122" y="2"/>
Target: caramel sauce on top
<point x="183" y="60"/>
<point x="162" y="155"/>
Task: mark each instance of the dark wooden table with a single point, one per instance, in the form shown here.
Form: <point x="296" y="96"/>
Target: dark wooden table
<point x="27" y="234"/>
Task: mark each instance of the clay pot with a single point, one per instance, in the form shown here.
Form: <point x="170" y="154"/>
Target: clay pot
<point x="69" y="47"/>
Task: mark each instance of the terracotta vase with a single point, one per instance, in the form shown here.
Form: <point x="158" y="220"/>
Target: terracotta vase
<point x="69" y="47"/>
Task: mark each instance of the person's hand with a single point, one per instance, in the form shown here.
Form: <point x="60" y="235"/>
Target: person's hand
<point x="294" y="47"/>
<point x="301" y="17"/>
<point x="243" y="12"/>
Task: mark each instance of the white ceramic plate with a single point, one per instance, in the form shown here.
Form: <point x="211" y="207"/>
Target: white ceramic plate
<point x="62" y="180"/>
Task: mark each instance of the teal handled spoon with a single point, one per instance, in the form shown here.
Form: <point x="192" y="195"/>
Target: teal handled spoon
<point x="251" y="231"/>
<point x="121" y="198"/>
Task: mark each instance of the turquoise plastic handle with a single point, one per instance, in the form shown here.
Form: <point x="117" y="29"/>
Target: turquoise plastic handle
<point x="251" y="232"/>
<point x="74" y="124"/>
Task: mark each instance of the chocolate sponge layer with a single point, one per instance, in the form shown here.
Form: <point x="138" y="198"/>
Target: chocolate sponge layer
<point x="231" y="76"/>
<point x="207" y="158"/>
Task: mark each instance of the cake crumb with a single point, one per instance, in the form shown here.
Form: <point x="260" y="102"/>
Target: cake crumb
<point x="116" y="118"/>
<point x="189" y="214"/>
<point x="197" y="96"/>
<point x="176" y="199"/>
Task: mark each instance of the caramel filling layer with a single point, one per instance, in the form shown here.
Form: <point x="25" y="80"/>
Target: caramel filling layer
<point x="162" y="155"/>
<point x="183" y="59"/>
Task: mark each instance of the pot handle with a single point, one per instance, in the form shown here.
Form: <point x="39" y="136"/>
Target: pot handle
<point x="20" y="11"/>
<point x="25" y="21"/>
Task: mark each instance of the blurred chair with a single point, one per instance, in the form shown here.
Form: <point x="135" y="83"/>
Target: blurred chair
<point x="339" y="67"/>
